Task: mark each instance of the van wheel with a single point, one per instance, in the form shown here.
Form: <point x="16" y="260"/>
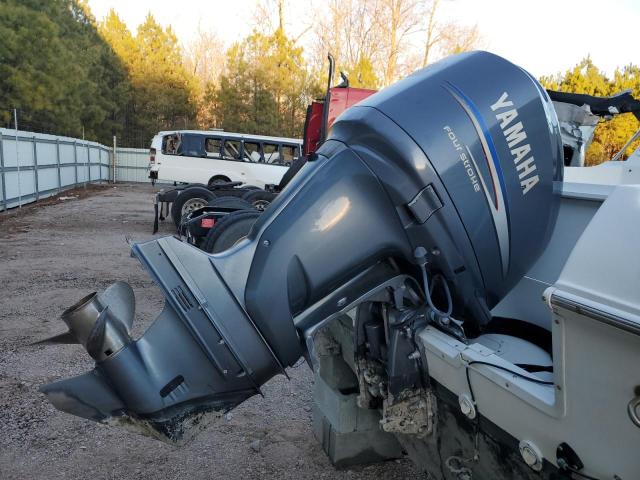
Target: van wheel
<point x="260" y="199"/>
<point x="217" y="180"/>
<point x="189" y="200"/>
<point x="230" y="230"/>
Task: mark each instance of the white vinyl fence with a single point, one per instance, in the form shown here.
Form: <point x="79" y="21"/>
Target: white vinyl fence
<point x="37" y="165"/>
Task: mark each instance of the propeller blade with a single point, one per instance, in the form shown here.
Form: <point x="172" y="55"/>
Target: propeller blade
<point x="65" y="338"/>
<point x="121" y="302"/>
<point x="95" y="340"/>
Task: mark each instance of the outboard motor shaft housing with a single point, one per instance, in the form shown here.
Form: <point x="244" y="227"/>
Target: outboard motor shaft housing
<point x="457" y="161"/>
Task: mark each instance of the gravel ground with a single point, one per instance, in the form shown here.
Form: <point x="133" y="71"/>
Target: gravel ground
<point x="52" y="254"/>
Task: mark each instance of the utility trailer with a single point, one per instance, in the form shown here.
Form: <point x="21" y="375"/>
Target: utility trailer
<point x="459" y="294"/>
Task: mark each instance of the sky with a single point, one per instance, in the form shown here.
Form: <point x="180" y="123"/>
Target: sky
<point x="542" y="36"/>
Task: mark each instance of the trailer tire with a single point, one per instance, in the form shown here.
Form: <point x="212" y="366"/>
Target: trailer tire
<point x="259" y="199"/>
<point x="226" y="202"/>
<point x="189" y="199"/>
<point x="230" y="202"/>
<point x="229" y="230"/>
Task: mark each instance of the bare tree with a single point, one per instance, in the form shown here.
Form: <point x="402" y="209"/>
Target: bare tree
<point x="432" y="35"/>
<point x="268" y="15"/>
<point x="400" y="19"/>
<point x="459" y="38"/>
<point x="386" y="39"/>
<point x="204" y="57"/>
<point x="351" y="31"/>
<point x="443" y="39"/>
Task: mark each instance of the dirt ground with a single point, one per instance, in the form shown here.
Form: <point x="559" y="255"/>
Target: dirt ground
<point x="51" y="255"/>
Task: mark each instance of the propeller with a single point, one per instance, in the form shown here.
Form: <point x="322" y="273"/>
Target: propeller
<point x="100" y="321"/>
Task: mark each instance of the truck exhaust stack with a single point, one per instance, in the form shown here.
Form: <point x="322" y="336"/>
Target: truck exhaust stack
<point x="445" y="177"/>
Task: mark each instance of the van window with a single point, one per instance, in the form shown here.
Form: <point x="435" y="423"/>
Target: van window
<point x="231" y="150"/>
<point x="212" y="147"/>
<point x="289" y="153"/>
<point x="271" y="152"/>
<point x="170" y="144"/>
<point x="190" y="145"/>
<point x="252" y="152"/>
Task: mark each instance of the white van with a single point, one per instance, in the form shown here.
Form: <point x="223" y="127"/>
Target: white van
<point x="214" y="156"/>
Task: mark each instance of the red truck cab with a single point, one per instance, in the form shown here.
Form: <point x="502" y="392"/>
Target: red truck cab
<point x="323" y="112"/>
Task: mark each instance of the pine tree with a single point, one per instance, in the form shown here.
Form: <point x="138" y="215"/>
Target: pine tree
<point x="265" y="89"/>
<point x="161" y="94"/>
<point x="363" y="75"/>
<point x="56" y="70"/>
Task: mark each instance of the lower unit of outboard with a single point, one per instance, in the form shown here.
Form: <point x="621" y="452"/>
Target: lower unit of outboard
<point x="441" y="186"/>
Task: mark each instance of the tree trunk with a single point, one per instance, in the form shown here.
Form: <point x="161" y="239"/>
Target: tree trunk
<point x="430" y="29"/>
<point x="394" y="6"/>
<point x="281" y="15"/>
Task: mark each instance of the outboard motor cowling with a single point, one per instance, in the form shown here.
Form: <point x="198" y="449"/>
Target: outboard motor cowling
<point x="470" y="150"/>
<point x="449" y="173"/>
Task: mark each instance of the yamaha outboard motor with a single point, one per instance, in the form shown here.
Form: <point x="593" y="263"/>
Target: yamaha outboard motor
<point x="445" y="178"/>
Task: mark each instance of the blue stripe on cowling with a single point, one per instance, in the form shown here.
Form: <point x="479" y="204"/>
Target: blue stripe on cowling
<point x="485" y="131"/>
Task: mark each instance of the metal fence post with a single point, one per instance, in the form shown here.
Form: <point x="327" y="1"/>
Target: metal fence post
<point x="88" y="161"/>
<point x="58" y="164"/>
<point x="75" y="161"/>
<point x="15" y="124"/>
<point x="35" y="168"/>
<point x="107" y="177"/>
<point x="4" y="185"/>
<point x="114" y="161"/>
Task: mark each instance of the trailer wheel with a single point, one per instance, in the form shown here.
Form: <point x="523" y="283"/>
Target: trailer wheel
<point x="231" y="202"/>
<point x="260" y="199"/>
<point x="229" y="231"/>
<point x="218" y="179"/>
<point x="188" y="200"/>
